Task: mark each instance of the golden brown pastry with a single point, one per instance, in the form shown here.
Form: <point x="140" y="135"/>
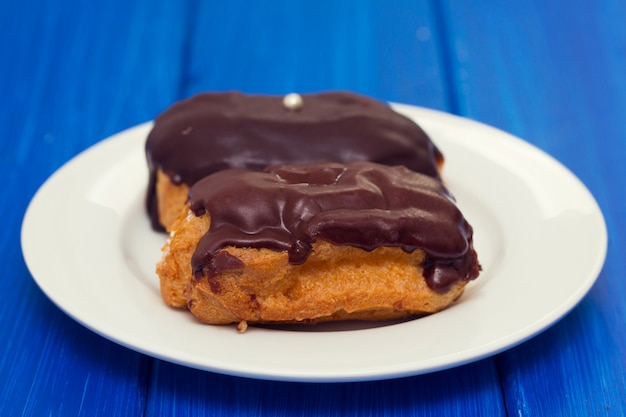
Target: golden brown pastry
<point x="317" y="242"/>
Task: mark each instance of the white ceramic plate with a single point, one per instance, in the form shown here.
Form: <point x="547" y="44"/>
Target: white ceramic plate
<point x="540" y="237"/>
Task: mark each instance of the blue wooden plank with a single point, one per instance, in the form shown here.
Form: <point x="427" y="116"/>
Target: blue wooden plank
<point x="73" y="73"/>
<point x="76" y="72"/>
<point x="82" y="72"/>
<point x="382" y="49"/>
<point x="464" y="391"/>
<point x="552" y="72"/>
<point x="53" y="366"/>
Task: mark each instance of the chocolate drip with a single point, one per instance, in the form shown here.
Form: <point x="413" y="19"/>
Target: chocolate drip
<point x="362" y="204"/>
<point x="215" y="131"/>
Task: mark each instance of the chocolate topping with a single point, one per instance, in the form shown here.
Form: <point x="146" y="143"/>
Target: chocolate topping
<point x="214" y="131"/>
<point x="362" y="204"/>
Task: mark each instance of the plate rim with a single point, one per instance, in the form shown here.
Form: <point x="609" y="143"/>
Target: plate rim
<point x="368" y="374"/>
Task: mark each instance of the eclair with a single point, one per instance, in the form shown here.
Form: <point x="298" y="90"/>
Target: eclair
<point x="314" y="242"/>
<point x="210" y="132"/>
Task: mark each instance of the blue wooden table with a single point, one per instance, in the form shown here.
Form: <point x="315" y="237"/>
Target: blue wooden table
<point x="75" y="72"/>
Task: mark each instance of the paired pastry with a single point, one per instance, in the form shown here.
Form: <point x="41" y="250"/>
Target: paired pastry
<point x="210" y="132"/>
<point x="313" y="242"/>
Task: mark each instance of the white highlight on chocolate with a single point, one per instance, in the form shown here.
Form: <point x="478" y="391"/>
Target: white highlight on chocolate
<point x="292" y="101"/>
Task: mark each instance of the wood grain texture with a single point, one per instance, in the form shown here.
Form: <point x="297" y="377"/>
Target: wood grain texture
<point x="552" y="73"/>
<point x="386" y="50"/>
<point x="467" y="390"/>
<point x="75" y="72"/>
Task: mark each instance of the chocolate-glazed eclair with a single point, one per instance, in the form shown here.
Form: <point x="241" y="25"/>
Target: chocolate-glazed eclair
<point x="213" y="131"/>
<point x="317" y="242"/>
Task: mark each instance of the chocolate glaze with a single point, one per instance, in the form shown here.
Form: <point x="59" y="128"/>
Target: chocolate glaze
<point x="363" y="204"/>
<point x="214" y="131"/>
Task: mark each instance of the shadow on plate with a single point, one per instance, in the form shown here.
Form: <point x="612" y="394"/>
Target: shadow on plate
<point x="335" y="326"/>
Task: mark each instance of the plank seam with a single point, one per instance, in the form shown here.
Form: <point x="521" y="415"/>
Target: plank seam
<point x="446" y="56"/>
